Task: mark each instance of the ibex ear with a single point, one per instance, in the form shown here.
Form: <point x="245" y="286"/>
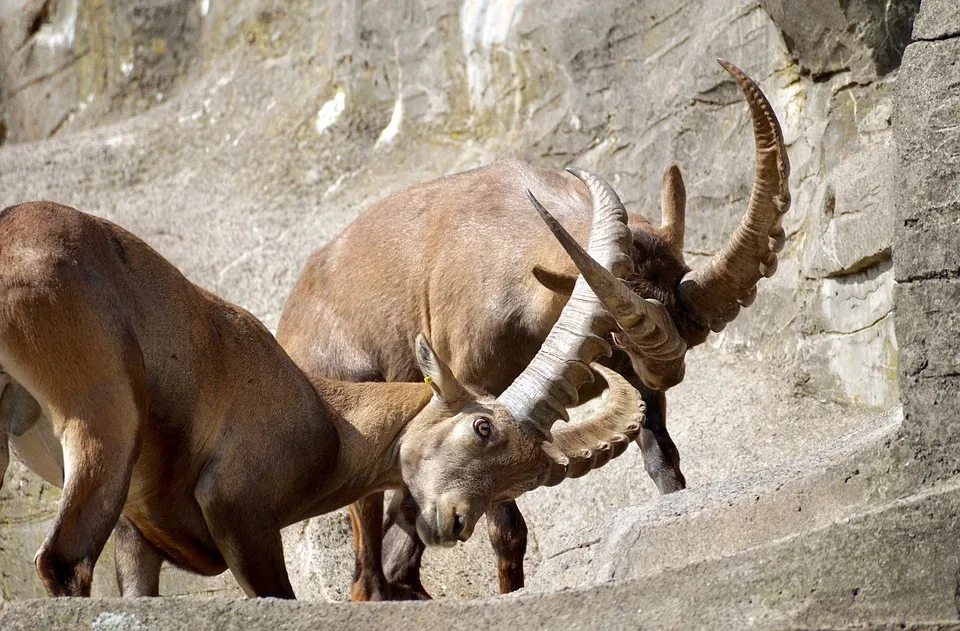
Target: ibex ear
<point x="557" y="282"/>
<point x="446" y="389"/>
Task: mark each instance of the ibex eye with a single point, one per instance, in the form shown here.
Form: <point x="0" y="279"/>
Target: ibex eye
<point x="482" y="427"/>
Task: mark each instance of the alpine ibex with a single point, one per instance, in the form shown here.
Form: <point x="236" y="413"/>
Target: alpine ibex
<point x="462" y="260"/>
<point x="176" y="418"/>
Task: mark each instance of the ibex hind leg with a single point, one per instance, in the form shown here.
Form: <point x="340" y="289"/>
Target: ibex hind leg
<point x="99" y="445"/>
<point x="138" y="562"/>
<point x="95" y="394"/>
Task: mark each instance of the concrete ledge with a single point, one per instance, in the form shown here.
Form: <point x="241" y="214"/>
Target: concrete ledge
<point x="892" y="566"/>
<point x="724" y="519"/>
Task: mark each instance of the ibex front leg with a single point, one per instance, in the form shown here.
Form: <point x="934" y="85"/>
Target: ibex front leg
<point x="99" y="445"/>
<point x="246" y="534"/>
<point x="661" y="458"/>
<point x="403" y="549"/>
<point x="508" y="536"/>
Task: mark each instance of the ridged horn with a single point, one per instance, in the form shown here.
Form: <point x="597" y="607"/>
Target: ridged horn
<point x="646" y="325"/>
<point x="578" y="449"/>
<point x="545" y="389"/>
<point x="718" y="290"/>
<point x="673" y="206"/>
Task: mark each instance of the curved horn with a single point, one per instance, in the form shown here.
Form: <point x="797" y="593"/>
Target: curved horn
<point x="644" y="322"/>
<point x="549" y="384"/>
<point x="673" y="205"/>
<point x="581" y="448"/>
<point x="718" y="290"/>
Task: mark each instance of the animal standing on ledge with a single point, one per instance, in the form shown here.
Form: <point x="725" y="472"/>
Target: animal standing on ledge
<point x="461" y="259"/>
<point x="176" y="418"/>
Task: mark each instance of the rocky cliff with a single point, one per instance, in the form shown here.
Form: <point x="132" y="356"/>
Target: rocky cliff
<point x="818" y="428"/>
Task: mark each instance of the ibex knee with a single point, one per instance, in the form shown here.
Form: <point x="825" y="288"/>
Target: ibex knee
<point x="63" y="577"/>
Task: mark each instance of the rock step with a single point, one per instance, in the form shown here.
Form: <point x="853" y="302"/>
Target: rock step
<point x="882" y="568"/>
<point x="733" y="515"/>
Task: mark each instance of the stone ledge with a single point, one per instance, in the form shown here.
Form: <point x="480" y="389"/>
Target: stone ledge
<point x="893" y="565"/>
<point x="733" y="516"/>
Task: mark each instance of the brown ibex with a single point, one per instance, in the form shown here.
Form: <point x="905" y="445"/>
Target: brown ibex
<point x="176" y="418"/>
<point x="462" y="260"/>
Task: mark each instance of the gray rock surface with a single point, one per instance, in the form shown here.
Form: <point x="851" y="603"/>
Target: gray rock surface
<point x="865" y="37"/>
<point x="280" y="123"/>
<point x="940" y="20"/>
<point x="927" y="239"/>
<point x="69" y="64"/>
<point x="884" y="568"/>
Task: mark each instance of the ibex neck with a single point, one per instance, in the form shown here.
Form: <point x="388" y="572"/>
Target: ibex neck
<point x="370" y="419"/>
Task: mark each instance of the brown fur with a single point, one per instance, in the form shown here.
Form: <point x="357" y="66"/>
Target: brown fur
<point x="466" y="260"/>
<point x="452" y="257"/>
<point x="185" y="425"/>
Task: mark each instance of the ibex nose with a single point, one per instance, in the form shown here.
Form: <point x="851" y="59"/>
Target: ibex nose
<point x="459" y="523"/>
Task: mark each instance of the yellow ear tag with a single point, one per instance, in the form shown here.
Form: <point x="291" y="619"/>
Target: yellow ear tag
<point x="427" y="380"/>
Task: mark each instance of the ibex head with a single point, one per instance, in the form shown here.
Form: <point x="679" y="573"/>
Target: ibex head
<point x="450" y="455"/>
<point x="689" y="304"/>
<point x="466" y="450"/>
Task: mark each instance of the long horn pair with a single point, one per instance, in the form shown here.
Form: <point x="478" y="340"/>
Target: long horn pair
<point x="645" y="322"/>
<point x="729" y="281"/>
<point x="548" y="385"/>
<point x="578" y="449"/>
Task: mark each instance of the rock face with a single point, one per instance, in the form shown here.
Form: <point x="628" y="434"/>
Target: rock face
<point x="928" y="215"/>
<point x="862" y="37"/>
<point x="74" y="63"/>
<point x="277" y="123"/>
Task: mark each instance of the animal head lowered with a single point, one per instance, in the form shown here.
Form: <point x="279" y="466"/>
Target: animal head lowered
<point x="465" y="451"/>
<point x="692" y="303"/>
